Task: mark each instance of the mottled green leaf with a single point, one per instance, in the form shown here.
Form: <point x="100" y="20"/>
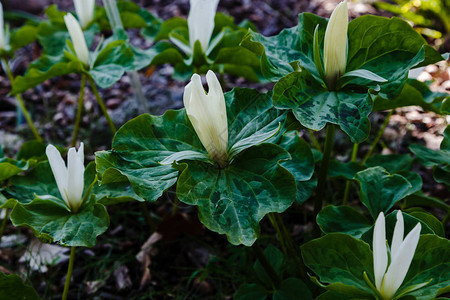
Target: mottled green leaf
<point x="51" y="217"/>
<point x="343" y="219"/>
<point x="251" y="291"/>
<point x="12" y="287"/>
<point x="431" y="262"/>
<point x="235" y="199"/>
<point x="381" y="190"/>
<point x="340" y="261"/>
<point x="301" y="164"/>
<point x="292" y="288"/>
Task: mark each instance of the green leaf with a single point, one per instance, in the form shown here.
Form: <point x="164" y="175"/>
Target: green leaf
<point x="281" y="54"/>
<point x="109" y="194"/>
<point x="431" y="261"/>
<point x="301" y="164"/>
<point x="43" y="69"/>
<point x="330" y="295"/>
<point x="349" y="77"/>
<point x="343" y="219"/>
<point x="314" y="107"/>
<point x="12" y="287"/>
<point x="392" y="162"/>
<point x="381" y="190"/>
<point x="235" y="199"/>
<point x="371" y="37"/>
<point x="275" y="258"/>
<point x="388" y="48"/>
<point x="23" y="36"/>
<point x="413" y="93"/>
<point x="340" y="260"/>
<point x="420" y="199"/>
<point x="251" y="291"/>
<point x="32" y="150"/>
<point x="344" y="170"/>
<point x="292" y="288"/>
<point x="51" y="217"/>
<point x="111" y="63"/>
<point x="428" y="157"/>
<point x="431" y="221"/>
<point x="10" y="167"/>
<point x="39" y="181"/>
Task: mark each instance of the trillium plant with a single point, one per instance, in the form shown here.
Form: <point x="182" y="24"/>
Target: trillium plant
<point x="239" y="161"/>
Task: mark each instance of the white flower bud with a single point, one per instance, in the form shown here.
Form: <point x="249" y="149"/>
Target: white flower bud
<point x="85" y="11"/>
<point x="208" y="115"/>
<point x="201" y="22"/>
<point x="402" y="253"/>
<point x="70" y="179"/>
<point x="335" y="47"/>
<point x="77" y="37"/>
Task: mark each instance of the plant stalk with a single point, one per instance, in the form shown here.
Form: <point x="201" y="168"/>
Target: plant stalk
<point x="21" y="103"/>
<point x="4" y="221"/>
<point x="79" y="111"/>
<point x="314" y="141"/>
<point x="323" y="172"/>
<point x="348" y="183"/>
<point x="69" y="273"/>
<point x="266" y="265"/>
<point x="101" y="104"/>
<point x="273" y="221"/>
<point x="294" y="251"/>
<point x="378" y="137"/>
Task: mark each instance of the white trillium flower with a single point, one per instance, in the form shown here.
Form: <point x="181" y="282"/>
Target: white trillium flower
<point x="77" y="37"/>
<point x="2" y="29"/>
<point x="85" y="11"/>
<point x="335" y="47"/>
<point x="402" y="251"/>
<point x="201" y="22"/>
<point x="208" y="115"/>
<point x="70" y="179"/>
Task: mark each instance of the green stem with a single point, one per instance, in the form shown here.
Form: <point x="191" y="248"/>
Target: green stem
<point x="378" y="137"/>
<point x="175" y="205"/>
<point x="69" y="273"/>
<point x="4" y="221"/>
<point x="101" y="104"/>
<point x="323" y="172"/>
<point x="348" y="183"/>
<point x="314" y="141"/>
<point x="21" y="103"/>
<point x="266" y="265"/>
<point x="79" y="111"/>
<point x="148" y="217"/>
<point x="446" y="219"/>
<point x="273" y="221"/>
<point x="294" y="251"/>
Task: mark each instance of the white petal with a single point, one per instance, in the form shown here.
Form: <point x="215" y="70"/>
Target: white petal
<point x="207" y="114"/>
<point x="380" y="258"/>
<point x="2" y="28"/>
<point x="397" y="239"/>
<point x="400" y="263"/>
<point x="75" y="178"/>
<point x="59" y="170"/>
<point x="201" y="21"/>
<point x="335" y="43"/>
<point x="78" y="40"/>
<point x="85" y="11"/>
